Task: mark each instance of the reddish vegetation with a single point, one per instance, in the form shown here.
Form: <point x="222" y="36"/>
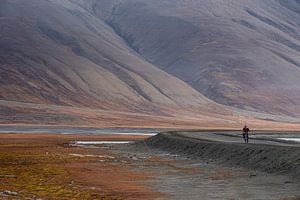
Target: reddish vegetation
<point x="44" y="168"/>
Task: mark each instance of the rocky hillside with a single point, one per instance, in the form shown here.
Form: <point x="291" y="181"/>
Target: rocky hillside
<point x="244" y="54"/>
<point x="56" y="52"/>
<point x="152" y="57"/>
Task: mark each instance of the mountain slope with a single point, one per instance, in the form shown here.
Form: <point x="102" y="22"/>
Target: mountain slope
<point x="171" y="62"/>
<point x="56" y="52"/>
<point x="245" y="54"/>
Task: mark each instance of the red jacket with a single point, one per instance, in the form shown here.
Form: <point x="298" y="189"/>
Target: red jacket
<point x="246" y="130"/>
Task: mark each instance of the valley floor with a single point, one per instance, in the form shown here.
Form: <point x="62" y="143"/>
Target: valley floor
<point x="52" y="166"/>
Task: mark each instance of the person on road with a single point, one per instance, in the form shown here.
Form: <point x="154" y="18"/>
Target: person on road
<point x="246" y="134"/>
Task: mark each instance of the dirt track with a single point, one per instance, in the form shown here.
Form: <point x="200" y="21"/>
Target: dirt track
<point x="220" y="166"/>
<point x="235" y="137"/>
<point x="228" y="149"/>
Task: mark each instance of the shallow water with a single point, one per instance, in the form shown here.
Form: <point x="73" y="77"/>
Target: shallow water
<point x="100" y="142"/>
<point x="80" y="131"/>
<point x="290" y="139"/>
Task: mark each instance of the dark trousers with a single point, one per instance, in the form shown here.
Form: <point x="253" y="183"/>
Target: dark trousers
<point x="246" y="137"/>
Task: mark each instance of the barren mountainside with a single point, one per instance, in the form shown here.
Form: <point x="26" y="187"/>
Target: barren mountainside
<point x="152" y="57"/>
<point x="243" y="53"/>
<point x="57" y="52"/>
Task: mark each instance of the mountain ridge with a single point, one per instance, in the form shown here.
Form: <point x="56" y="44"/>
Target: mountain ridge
<point x="240" y="47"/>
<point x="154" y="58"/>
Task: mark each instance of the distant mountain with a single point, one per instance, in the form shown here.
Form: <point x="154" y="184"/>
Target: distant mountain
<point x="244" y="53"/>
<point x="159" y="58"/>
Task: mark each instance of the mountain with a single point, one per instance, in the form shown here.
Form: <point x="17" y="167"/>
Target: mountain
<point x="244" y="54"/>
<point x="174" y="61"/>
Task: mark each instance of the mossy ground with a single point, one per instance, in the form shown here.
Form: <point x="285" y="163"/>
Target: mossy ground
<point x="41" y="176"/>
<point x="40" y="171"/>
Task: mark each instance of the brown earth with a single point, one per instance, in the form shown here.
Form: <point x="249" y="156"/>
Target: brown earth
<point x="29" y="114"/>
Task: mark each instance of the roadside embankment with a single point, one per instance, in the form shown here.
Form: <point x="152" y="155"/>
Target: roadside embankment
<point x="267" y="158"/>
